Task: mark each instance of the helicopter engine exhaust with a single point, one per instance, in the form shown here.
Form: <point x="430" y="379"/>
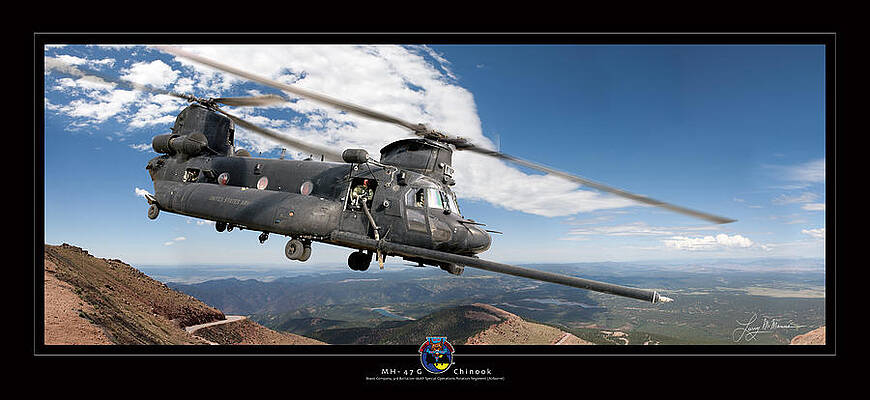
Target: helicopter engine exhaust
<point x="170" y="143"/>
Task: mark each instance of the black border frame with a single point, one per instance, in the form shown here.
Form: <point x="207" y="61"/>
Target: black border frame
<point x="368" y="359"/>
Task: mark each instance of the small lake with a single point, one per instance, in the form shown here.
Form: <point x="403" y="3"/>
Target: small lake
<point x="562" y="303"/>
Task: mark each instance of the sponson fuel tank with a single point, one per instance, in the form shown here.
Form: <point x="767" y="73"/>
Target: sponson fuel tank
<point x="265" y="210"/>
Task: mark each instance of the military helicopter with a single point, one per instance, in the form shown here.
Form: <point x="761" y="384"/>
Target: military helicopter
<point x="398" y="205"/>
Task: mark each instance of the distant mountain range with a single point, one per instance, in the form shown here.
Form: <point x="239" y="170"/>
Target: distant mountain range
<point x="192" y="274"/>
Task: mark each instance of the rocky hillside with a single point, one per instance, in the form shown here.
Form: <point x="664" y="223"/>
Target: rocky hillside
<point x="90" y="300"/>
<point x="468" y="324"/>
<point x="248" y="332"/>
<point x="813" y="337"/>
<point x="511" y="329"/>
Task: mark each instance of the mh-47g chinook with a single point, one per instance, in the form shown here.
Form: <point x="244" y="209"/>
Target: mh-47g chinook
<point x="399" y="205"/>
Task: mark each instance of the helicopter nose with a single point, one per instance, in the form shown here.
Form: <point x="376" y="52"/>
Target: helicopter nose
<point x="478" y="240"/>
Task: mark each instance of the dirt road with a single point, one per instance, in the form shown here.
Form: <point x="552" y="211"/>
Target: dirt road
<point x="230" y="318"/>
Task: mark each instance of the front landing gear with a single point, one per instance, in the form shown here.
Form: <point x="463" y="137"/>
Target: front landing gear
<point x="298" y="249"/>
<point x="153" y="211"/>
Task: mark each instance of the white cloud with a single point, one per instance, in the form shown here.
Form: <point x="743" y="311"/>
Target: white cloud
<point x="198" y="222"/>
<point x="632" y="229"/>
<point x="800" y="175"/>
<point x="805" y="197"/>
<point x="156" y="73"/>
<point x="818" y="233"/>
<point x="73" y="60"/>
<point x="141" y="147"/>
<point x="707" y="243"/>
<point x="105" y="107"/>
<point x="184" y="85"/>
<point x="160" y="109"/>
<point x="814" y="207"/>
<point x="176" y="240"/>
<point x="812" y="171"/>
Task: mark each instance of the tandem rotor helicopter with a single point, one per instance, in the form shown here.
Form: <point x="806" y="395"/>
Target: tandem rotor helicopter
<point x="398" y="205"/>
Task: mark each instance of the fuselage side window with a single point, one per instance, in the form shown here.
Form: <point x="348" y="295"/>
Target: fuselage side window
<point x="414" y="198"/>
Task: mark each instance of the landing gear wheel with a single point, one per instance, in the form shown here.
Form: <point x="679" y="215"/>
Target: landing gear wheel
<point x="220" y="226"/>
<point x="294" y="249"/>
<point x="263" y="237"/>
<point x="306" y="254"/>
<point x="153" y="211"/>
<point x="359" y="261"/>
<point x="230" y="227"/>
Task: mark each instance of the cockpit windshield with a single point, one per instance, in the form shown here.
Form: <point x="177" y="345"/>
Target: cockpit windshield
<point x="451" y="201"/>
<point x="441" y="200"/>
<point x="432" y="198"/>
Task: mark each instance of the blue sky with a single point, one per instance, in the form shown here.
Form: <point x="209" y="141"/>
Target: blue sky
<point x="736" y="131"/>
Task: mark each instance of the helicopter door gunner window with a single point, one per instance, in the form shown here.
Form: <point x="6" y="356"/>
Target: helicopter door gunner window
<point x="361" y="191"/>
<point x="190" y="174"/>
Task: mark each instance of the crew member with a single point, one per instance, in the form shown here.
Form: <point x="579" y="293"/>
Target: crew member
<point x="361" y="193"/>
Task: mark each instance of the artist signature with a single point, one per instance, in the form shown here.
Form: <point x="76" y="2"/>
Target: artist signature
<point x="748" y="330"/>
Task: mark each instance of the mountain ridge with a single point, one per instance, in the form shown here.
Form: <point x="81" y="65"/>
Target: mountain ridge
<point x="90" y="300"/>
<point x="476" y="324"/>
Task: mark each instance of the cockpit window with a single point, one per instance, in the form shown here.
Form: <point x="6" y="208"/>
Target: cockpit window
<point x="451" y="202"/>
<point x="434" y="199"/>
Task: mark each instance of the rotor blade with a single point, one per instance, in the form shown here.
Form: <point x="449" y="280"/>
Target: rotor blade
<point x="422" y="130"/>
<point x="251" y="101"/>
<point x="596" y="185"/>
<point x="93" y="76"/>
<point x="342" y="105"/>
<point x="59" y="65"/>
<point x="328" y="154"/>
